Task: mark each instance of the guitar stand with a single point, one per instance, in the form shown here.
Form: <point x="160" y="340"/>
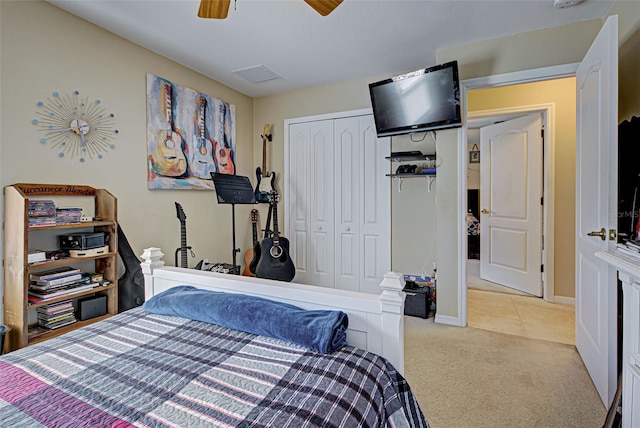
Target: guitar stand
<point x="179" y="250"/>
<point x="233" y="189"/>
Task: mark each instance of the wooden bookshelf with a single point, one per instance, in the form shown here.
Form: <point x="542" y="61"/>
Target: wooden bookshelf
<point x="17" y="233"/>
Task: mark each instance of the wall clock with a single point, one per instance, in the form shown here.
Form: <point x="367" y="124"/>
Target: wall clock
<point x="75" y="126"/>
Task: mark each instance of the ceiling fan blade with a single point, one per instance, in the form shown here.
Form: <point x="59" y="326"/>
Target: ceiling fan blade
<point x="323" y="7"/>
<point x="217" y="9"/>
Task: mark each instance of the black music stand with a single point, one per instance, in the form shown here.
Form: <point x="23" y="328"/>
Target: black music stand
<point x="233" y="189"/>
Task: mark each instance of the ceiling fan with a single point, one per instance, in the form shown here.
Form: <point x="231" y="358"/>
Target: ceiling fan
<point x="218" y="9"/>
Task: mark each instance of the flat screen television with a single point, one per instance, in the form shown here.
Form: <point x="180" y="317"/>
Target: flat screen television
<point x="423" y="100"/>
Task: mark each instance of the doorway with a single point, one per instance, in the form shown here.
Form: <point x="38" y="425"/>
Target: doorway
<point x="494" y="106"/>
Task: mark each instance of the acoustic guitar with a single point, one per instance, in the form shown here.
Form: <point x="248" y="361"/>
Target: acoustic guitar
<point x="275" y="262"/>
<point x="202" y="164"/>
<point x="257" y="251"/>
<point x="248" y="255"/>
<point x="168" y="159"/>
<point x="223" y="153"/>
<point x="264" y="187"/>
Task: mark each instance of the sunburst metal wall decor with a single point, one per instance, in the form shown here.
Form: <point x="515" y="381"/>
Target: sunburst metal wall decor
<point x="75" y="126"/>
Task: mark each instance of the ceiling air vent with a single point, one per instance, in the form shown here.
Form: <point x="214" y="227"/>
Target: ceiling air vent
<point x="256" y="74"/>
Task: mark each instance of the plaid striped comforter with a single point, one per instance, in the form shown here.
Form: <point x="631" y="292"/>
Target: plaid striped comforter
<point x="143" y="370"/>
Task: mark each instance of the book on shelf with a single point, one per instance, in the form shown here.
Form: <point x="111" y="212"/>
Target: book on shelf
<point x="68" y="215"/>
<point x="58" y="324"/>
<point x="53" y="273"/>
<point x="45" y="295"/>
<point x="63" y="280"/>
<point x="56" y="308"/>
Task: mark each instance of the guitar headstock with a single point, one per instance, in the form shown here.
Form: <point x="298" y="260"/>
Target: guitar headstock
<point x="254" y="215"/>
<point x="266" y="135"/>
<point x="274" y="197"/>
<point x="180" y="211"/>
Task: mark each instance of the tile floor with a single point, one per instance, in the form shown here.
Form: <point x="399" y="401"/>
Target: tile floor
<point x="520" y="315"/>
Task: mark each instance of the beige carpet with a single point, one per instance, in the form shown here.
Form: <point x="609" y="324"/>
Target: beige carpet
<point x="464" y="377"/>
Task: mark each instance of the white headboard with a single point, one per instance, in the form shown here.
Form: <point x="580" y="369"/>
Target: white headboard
<point x="375" y="321"/>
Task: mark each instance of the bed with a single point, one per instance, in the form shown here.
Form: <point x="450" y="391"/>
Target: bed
<point x="147" y="368"/>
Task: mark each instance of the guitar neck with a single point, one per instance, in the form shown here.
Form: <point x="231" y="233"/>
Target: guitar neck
<point x="264" y="156"/>
<point x="276" y="235"/>
<point x="255" y="234"/>
<point x="183" y="245"/>
<point x="203" y="106"/>
<point x="167" y="99"/>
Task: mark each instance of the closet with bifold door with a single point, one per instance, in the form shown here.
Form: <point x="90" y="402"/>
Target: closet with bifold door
<point x="338" y="198"/>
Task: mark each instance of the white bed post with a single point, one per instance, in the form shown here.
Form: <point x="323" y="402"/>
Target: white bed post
<point x="392" y="302"/>
<point x="151" y="259"/>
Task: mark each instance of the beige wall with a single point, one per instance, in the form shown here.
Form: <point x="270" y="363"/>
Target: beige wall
<point x="45" y="49"/>
<point x="561" y="93"/>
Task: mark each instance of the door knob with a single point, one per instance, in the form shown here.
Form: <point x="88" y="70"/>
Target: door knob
<point x="485" y="211"/>
<point x="319" y="227"/>
<point x="602" y="234"/>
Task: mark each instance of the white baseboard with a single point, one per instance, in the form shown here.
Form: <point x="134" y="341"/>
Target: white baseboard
<point x="565" y="300"/>
<point x="448" y="320"/>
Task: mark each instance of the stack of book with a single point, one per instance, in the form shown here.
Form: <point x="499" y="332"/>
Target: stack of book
<point x="58" y="282"/>
<point x="68" y="215"/>
<point x="630" y="248"/>
<point x="42" y="213"/>
<point x="56" y="315"/>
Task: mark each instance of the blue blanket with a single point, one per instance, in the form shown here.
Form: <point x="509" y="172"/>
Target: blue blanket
<point x="319" y="330"/>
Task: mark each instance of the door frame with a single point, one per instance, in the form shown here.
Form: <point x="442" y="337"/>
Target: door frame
<point x="547" y="111"/>
<point x="506" y="79"/>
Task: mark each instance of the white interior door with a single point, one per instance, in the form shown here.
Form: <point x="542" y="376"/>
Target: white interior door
<point x="510" y="203"/>
<point x="339" y="212"/>
<point x="311" y="236"/>
<point x="298" y="204"/>
<point x="596" y="207"/>
<point x="321" y="227"/>
<point x="348" y="185"/>
<point x="375" y="200"/>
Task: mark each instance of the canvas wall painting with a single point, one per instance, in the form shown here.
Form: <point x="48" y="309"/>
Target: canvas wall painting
<point x="189" y="136"/>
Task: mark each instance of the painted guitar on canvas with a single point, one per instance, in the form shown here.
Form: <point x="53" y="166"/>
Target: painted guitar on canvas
<point x="201" y="157"/>
<point x="168" y="159"/>
<point x="224" y="153"/>
<point x="264" y="187"/>
<point x="275" y="262"/>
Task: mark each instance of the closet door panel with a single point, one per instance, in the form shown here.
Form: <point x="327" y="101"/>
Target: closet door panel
<point x="299" y="205"/>
<point x="375" y="216"/>
<point x="321" y="218"/>
<point x="348" y="191"/>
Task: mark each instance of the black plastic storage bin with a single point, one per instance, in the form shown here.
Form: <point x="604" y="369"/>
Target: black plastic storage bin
<point x="417" y="302"/>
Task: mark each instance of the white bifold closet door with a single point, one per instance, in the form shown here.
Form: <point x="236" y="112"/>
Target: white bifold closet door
<point x="339" y="203"/>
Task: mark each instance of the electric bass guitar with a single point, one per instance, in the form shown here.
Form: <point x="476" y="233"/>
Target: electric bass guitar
<point x="264" y="187"/>
<point x="223" y="151"/>
<point x="248" y="256"/>
<point x="183" y="237"/>
<point x="201" y="157"/>
<point x="168" y="159"/>
<point x="275" y="262"/>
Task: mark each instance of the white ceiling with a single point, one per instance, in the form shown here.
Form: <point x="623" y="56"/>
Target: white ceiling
<point x="361" y="38"/>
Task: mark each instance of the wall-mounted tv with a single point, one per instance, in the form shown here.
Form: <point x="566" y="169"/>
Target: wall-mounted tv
<point x="423" y="100"/>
